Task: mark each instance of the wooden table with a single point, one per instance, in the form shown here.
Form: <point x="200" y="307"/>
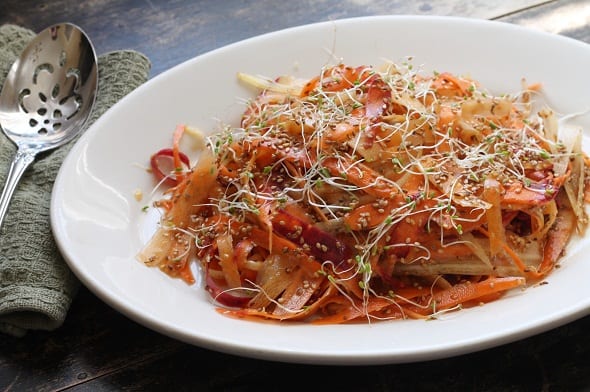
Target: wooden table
<point x="98" y="349"/>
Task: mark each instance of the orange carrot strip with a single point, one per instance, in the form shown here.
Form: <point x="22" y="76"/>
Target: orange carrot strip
<point x="349" y="312"/>
<point x="255" y="314"/>
<point x="283" y="245"/>
<point x="517" y="195"/>
<point x="464" y="292"/>
<point x="447" y="84"/>
<point x="517" y="260"/>
<point x="360" y="175"/>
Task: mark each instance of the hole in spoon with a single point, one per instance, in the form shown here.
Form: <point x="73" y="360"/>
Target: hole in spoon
<point x="42" y="131"/>
<point x="33" y="123"/>
<point x="55" y="91"/>
<point x="21" y="96"/>
<point x="41" y="111"/>
<point x="42" y="97"/>
<point x="43" y="67"/>
<point x="57" y="113"/>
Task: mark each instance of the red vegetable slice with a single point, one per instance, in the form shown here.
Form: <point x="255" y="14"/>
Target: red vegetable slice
<point x="322" y="245"/>
<point x="162" y="164"/>
<point x="233" y="298"/>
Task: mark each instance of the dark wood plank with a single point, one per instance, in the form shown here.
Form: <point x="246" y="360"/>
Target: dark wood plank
<point x="568" y="18"/>
<point x="170" y="32"/>
<point x="128" y="357"/>
<point x="94" y="341"/>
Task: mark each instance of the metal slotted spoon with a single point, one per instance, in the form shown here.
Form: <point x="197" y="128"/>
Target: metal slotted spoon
<point x="46" y="98"/>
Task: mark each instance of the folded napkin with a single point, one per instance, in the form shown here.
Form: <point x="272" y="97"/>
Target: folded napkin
<point x="36" y="286"/>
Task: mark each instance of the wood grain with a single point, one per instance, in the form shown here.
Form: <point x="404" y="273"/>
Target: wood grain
<point x="170" y="32"/>
<point x="99" y="349"/>
<point x="568" y="18"/>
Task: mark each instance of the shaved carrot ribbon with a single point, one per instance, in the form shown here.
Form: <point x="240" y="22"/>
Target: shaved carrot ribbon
<point x="362" y="195"/>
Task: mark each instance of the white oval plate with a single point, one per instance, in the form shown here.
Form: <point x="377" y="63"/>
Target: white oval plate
<point x="100" y="226"/>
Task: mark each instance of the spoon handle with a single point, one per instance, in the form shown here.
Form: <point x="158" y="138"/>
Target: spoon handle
<point x="19" y="164"/>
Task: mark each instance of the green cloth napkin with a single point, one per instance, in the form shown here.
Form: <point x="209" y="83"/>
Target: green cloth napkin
<point x="36" y="286"/>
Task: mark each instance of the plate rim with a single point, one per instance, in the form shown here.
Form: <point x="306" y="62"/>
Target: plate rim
<point x="272" y="353"/>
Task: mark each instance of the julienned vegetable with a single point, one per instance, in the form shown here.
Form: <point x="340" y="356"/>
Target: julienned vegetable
<point x="169" y="165"/>
<point x="366" y="194"/>
<point x="163" y="159"/>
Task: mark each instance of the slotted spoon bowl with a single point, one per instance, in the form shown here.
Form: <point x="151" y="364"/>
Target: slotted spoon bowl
<point x="47" y="96"/>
